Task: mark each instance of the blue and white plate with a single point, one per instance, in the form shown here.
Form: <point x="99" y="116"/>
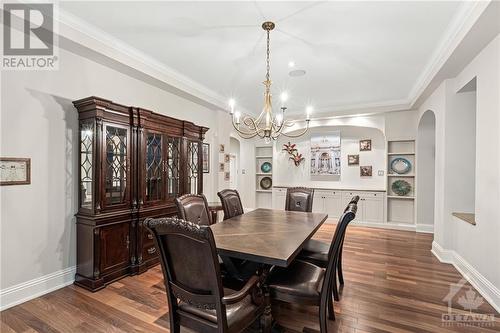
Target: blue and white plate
<point x="401" y="165"/>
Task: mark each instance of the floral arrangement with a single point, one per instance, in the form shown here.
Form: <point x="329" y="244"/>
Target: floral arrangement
<point x="294" y="154"/>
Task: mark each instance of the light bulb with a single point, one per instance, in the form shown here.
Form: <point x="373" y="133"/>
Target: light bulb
<point x="291" y="64"/>
<point x="237" y="116"/>
<point x="279" y="119"/>
<point x="309" y="110"/>
<point x="284" y="98"/>
<point x="267" y="140"/>
<point x="232" y="103"/>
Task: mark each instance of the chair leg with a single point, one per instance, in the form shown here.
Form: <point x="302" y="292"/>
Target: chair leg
<point x="331" y="311"/>
<point x="339" y="269"/>
<point x="335" y="289"/>
<point x="323" y="323"/>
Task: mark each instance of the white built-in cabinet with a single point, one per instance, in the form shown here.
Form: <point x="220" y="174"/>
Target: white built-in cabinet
<point x="333" y="202"/>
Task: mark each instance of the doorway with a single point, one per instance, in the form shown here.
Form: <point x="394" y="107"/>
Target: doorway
<point x="426" y="167"/>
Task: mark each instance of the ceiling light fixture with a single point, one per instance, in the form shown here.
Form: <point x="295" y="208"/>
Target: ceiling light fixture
<point x="291" y="64"/>
<point x="267" y="125"/>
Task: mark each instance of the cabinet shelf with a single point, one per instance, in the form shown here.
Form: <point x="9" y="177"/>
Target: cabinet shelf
<point x="263" y="156"/>
<point x="402" y="153"/>
<point x="398" y="175"/>
<point x="264" y="191"/>
<point x="264" y="173"/>
<point x="400" y="197"/>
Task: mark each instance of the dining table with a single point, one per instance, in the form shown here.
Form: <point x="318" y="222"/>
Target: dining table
<point x="268" y="237"/>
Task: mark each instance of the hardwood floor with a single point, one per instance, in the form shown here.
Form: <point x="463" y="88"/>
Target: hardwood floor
<point x="392" y="284"/>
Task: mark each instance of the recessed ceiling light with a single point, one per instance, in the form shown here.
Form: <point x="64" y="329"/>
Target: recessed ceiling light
<point x="297" y="72"/>
<point x="291" y="64"/>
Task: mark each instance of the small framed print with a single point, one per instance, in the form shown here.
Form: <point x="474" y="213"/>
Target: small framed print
<point x="365" y="171"/>
<point x="365" y="145"/>
<point x="221" y="148"/>
<point x="227" y="158"/>
<point x="15" y="171"/>
<point x="206" y="157"/>
<point x="222" y="167"/>
<point x="352" y="159"/>
<point x="227" y="176"/>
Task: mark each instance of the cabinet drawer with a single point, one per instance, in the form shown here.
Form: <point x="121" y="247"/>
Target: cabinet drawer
<point x="372" y="195"/>
<point x="149" y="252"/>
<point x="279" y="190"/>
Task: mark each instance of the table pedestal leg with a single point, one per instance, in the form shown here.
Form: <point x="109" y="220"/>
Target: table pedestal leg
<point x="266" y="320"/>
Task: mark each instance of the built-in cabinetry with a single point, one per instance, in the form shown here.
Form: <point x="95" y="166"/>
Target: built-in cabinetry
<point x="263" y="176"/>
<point x="333" y="203"/>
<point x="401" y="208"/>
<point x="133" y="163"/>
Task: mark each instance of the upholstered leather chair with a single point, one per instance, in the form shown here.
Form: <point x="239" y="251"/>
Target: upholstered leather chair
<point x="299" y="199"/>
<point x="193" y="208"/>
<point x="305" y="283"/>
<point x="316" y="252"/>
<point x="231" y="203"/>
<point x="195" y="294"/>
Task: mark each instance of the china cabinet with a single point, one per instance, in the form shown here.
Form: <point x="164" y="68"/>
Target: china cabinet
<point x="133" y="164"/>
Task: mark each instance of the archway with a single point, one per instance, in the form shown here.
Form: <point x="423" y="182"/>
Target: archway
<point x="234" y="163"/>
<point x="426" y="167"/>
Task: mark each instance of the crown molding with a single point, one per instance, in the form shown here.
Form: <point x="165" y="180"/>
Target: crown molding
<point x="73" y="30"/>
<point x="77" y="31"/>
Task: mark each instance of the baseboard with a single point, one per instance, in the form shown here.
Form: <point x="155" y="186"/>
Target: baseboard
<point x="26" y="291"/>
<point x="425" y="228"/>
<point x="490" y="293"/>
<point x="383" y="225"/>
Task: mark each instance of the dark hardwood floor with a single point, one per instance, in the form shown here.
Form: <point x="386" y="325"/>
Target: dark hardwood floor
<point x="392" y="284"/>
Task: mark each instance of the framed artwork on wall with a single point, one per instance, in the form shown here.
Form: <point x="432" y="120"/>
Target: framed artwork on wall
<point x="227" y="158"/>
<point x="365" y="145"/>
<point x="15" y="171"/>
<point x="352" y="159"/>
<point x="365" y="171"/>
<point x="325" y="154"/>
<point x="221" y="167"/>
<point x="221" y="148"/>
<point x="206" y="157"/>
<point x="227" y="176"/>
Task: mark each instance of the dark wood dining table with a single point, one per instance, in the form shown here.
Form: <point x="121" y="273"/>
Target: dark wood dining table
<point x="266" y="236"/>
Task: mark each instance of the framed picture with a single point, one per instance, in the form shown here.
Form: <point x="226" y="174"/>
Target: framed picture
<point x="352" y="159"/>
<point x="15" y="171"/>
<point x="365" y="145"/>
<point x="221" y="148"/>
<point x="365" y="171"/>
<point x="227" y="158"/>
<point x="222" y="167"/>
<point x="206" y="157"/>
<point x="226" y="176"/>
<point x="325" y="154"/>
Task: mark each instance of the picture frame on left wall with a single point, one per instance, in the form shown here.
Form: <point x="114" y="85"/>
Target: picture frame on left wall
<point x="206" y="157"/>
<point x="15" y="171"/>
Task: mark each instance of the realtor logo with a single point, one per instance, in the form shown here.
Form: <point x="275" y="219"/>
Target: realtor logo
<point x="28" y="36"/>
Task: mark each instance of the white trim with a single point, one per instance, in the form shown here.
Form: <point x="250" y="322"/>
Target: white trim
<point x="385" y="225"/>
<point x="29" y="290"/>
<point x="425" y="228"/>
<point x="475" y="278"/>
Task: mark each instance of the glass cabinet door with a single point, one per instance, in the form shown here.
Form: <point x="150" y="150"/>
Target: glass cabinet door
<point x="173" y="166"/>
<point x="154" y="160"/>
<point x="86" y="164"/>
<point x="115" y="166"/>
<point x="193" y="166"/>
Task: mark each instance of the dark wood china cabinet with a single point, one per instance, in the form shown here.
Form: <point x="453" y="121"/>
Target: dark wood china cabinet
<point x="133" y="163"/>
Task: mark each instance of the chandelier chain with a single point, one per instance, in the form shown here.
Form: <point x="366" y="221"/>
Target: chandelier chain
<point x="268" y="55"/>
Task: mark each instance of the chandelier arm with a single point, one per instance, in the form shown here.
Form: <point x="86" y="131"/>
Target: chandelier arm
<point x="243" y="132"/>
<point x="299" y="134"/>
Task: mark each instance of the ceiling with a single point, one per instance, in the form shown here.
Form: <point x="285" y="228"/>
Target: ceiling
<point x="355" y="54"/>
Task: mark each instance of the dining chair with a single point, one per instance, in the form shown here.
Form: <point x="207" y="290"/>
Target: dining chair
<point x="299" y="199"/>
<point x="316" y="252"/>
<point x="195" y="293"/>
<point x="231" y="203"/>
<point x="193" y="208"/>
<point x="305" y="283"/>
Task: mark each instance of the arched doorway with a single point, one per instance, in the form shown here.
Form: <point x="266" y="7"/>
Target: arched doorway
<point x="234" y="162"/>
<point x="426" y="167"/>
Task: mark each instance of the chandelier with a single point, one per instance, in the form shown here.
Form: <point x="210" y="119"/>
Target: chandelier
<point x="267" y="126"/>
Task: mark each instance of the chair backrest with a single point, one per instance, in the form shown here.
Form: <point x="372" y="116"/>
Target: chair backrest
<point x="335" y="247"/>
<point x="231" y="203"/>
<point x="193" y="208"/>
<point x="299" y="199"/>
<point x="189" y="263"/>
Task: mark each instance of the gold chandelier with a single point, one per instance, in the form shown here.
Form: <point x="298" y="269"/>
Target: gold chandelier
<point x="267" y="125"/>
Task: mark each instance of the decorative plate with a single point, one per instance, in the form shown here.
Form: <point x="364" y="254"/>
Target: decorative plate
<point x="266" y="167"/>
<point x="401" y="187"/>
<point x="401" y="165"/>
<point x="266" y="183"/>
